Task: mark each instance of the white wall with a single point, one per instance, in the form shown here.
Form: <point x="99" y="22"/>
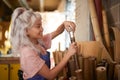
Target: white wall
<point x="82" y="21"/>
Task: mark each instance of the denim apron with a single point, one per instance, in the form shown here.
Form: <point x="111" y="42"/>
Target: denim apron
<point x="45" y="57"/>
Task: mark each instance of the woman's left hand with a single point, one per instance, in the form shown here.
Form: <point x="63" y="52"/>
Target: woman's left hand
<point x="69" y="26"/>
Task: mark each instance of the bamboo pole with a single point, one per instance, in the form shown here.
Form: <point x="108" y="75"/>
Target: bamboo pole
<point x="92" y="63"/>
<point x="75" y="57"/>
<point x="101" y="73"/>
<point x="111" y="67"/>
<point x="105" y="29"/>
<point x="106" y="33"/>
<point x="86" y="69"/>
<point x="94" y="20"/>
<point x="80" y="57"/>
<point x="79" y="74"/>
<point x="72" y="67"/>
<point x="117" y="44"/>
<point x="117" y="72"/>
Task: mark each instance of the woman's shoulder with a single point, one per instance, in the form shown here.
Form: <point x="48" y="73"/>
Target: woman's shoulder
<point x="27" y="50"/>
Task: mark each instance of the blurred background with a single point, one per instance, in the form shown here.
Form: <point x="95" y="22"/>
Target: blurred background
<point x="54" y="12"/>
<point x="7" y="6"/>
<point x="51" y="10"/>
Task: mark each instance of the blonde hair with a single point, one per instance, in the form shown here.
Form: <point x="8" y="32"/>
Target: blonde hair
<point x="21" y="19"/>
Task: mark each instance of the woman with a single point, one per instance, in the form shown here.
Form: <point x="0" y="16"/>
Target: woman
<point x="28" y="40"/>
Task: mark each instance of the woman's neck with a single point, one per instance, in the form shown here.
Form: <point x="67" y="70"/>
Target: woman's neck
<point x="39" y="45"/>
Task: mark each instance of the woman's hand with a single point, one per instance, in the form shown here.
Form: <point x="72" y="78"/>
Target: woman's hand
<point x="69" y="26"/>
<point x="72" y="49"/>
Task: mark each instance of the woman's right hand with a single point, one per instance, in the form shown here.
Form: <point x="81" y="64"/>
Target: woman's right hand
<point x="72" y="49"/>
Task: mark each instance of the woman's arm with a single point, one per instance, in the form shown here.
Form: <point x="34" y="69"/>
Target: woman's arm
<point x="64" y="25"/>
<point x="51" y="74"/>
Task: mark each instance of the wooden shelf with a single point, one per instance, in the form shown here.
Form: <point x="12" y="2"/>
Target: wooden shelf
<point x="9" y="60"/>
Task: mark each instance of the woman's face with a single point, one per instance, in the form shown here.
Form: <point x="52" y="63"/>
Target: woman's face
<point x="36" y="31"/>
